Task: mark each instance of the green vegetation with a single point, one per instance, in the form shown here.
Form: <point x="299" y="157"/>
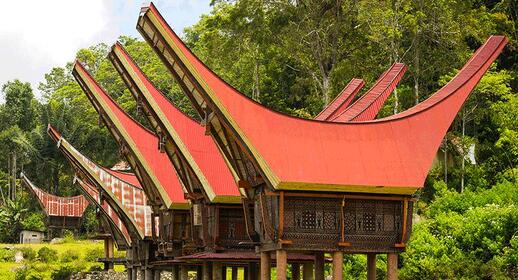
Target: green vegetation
<point x="295" y="56"/>
<point x="51" y="261"/>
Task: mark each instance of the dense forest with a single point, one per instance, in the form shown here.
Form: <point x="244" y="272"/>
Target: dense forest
<point x="295" y="56"/>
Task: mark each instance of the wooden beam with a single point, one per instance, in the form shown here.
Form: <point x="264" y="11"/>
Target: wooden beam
<point x="307" y="271"/>
<point x="295" y="271"/>
<point x="371" y="266"/>
<point x="217" y="271"/>
<point x="265" y="265"/>
<point x="338" y="260"/>
<point x="206" y="271"/>
<point x="319" y="265"/>
<point x="392" y="266"/>
<point x="282" y="261"/>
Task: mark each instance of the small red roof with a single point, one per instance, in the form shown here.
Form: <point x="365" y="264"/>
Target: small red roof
<point x="58" y="206"/>
<point x="92" y="195"/>
<point x="368" y="105"/>
<point x="390" y="155"/>
<point x="341" y="101"/>
<point x="140" y="141"/>
<point x="201" y="152"/>
<point x="129" y="200"/>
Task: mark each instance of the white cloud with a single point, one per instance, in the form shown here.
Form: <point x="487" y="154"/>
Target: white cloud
<point x="36" y="35"/>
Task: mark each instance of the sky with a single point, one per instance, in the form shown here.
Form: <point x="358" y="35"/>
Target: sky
<point x="37" y="35"/>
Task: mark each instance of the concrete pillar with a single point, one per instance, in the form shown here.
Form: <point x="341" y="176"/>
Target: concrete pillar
<point x="206" y="271"/>
<point x="371" y="266"/>
<point x="129" y="272"/>
<point x="217" y="271"/>
<point x="282" y="263"/>
<point x="338" y="260"/>
<point x="265" y="265"/>
<point x="295" y="271"/>
<point x="319" y="265"/>
<point x="307" y="271"/>
<point x="234" y="272"/>
<point x="392" y="266"/>
<point x="184" y="272"/>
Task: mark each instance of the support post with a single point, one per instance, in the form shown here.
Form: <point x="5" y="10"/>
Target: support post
<point x="265" y="265"/>
<point x="129" y="273"/>
<point x="175" y="272"/>
<point x="148" y="273"/>
<point x="392" y="266"/>
<point x="251" y="272"/>
<point x="282" y="262"/>
<point x="199" y="272"/>
<point x="338" y="260"/>
<point x="184" y="272"/>
<point x="134" y="273"/>
<point x="295" y="271"/>
<point x="217" y="271"/>
<point x="108" y="253"/>
<point x="206" y="271"/>
<point x="234" y="272"/>
<point x="371" y="266"/>
<point x="156" y="274"/>
<point x="307" y="271"/>
<point x="319" y="266"/>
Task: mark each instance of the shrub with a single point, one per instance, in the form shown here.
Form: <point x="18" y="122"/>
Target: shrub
<point x="68" y="236"/>
<point x="28" y="253"/>
<point x="69" y="256"/>
<point x="46" y="254"/>
<point x="28" y="273"/>
<point x="63" y="272"/>
<point x="7" y="255"/>
<point x="92" y="254"/>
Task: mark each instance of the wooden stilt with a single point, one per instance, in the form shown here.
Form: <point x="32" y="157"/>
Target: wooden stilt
<point x="319" y="266"/>
<point x="217" y="271"/>
<point x="282" y="262"/>
<point x="129" y="272"/>
<point x="234" y="272"/>
<point x="338" y="260"/>
<point x="175" y="272"/>
<point x="156" y="274"/>
<point x="295" y="271"/>
<point x="251" y="271"/>
<point x="206" y="271"/>
<point x="307" y="271"/>
<point x="134" y="273"/>
<point x="199" y="272"/>
<point x="108" y="253"/>
<point x="371" y="266"/>
<point x="392" y="266"/>
<point x="148" y="273"/>
<point x="184" y="272"/>
<point x="265" y="265"/>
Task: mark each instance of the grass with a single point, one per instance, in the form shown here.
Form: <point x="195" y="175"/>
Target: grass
<point x="74" y="253"/>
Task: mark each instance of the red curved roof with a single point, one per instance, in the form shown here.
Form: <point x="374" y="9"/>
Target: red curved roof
<point x="189" y="136"/>
<point x="92" y="195"/>
<point x="58" y="206"/>
<point x="140" y="141"/>
<point x="341" y="101"/>
<point x="129" y="199"/>
<point x="391" y="155"/>
<point x="368" y="105"/>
